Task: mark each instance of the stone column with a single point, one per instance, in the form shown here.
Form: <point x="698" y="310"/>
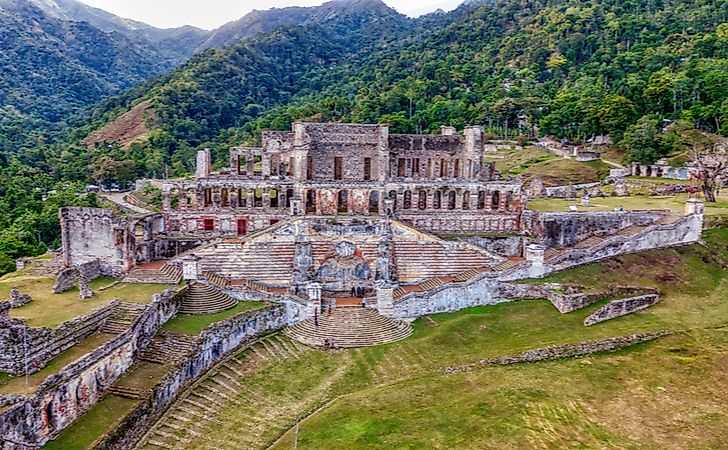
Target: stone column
<point x="190" y="267"/>
<point x="166" y="200"/>
<point x="385" y="299"/>
<point x="266" y="198"/>
<point x="535" y="256"/>
<point x="694" y="206"/>
<point x="251" y="198"/>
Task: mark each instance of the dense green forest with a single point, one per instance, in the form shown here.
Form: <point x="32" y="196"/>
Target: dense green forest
<point x="568" y="68"/>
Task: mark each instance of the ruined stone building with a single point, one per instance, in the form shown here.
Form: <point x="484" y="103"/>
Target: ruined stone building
<point x="434" y="183"/>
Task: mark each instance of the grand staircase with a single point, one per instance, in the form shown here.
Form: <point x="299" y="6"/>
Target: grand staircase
<point x="156" y="272"/>
<point x="422" y="260"/>
<point x="202" y="298"/>
<point x="269" y="262"/>
<point x="122" y="317"/>
<point x="349" y="327"/>
<point x="168" y="348"/>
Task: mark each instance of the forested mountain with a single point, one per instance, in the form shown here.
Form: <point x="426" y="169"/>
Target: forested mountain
<point x="563" y="67"/>
<point x="569" y="68"/>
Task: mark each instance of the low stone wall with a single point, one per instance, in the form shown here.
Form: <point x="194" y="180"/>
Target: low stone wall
<point x="448" y="298"/>
<point x="64" y="397"/>
<point x="217" y="342"/>
<point x="504" y="246"/>
<point x="564" y="351"/>
<point x="568" y="229"/>
<point x="569" y="302"/>
<point x="622" y="307"/>
<point x="44" y="344"/>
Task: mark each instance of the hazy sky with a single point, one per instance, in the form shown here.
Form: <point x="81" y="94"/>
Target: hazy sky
<point x="213" y="13"/>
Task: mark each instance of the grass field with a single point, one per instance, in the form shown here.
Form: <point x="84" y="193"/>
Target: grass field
<point x="193" y="324"/>
<point x="49" y="310"/>
<point x="636" y="202"/>
<point x="669" y="393"/>
<point x="102" y="416"/>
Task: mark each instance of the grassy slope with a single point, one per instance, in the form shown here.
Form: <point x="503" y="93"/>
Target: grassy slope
<point x="50" y="310"/>
<point x="396" y="396"/>
<point x="101" y="417"/>
<point x="193" y="324"/>
<point x="636" y="202"/>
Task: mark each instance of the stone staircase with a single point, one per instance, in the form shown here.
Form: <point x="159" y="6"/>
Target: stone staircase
<point x="349" y="327"/>
<point x="127" y="392"/>
<point x="122" y="317"/>
<point x="202" y="298"/>
<point x="419" y="260"/>
<point x="269" y="262"/>
<point x="169" y="348"/>
<point x="156" y="272"/>
<point x="225" y="398"/>
<point x="508" y="264"/>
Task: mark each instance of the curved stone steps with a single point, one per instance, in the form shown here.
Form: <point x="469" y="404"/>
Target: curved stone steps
<point x="202" y="298"/>
<point x="350" y="328"/>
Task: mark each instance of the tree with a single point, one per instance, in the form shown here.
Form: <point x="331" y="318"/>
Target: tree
<point x="108" y="170"/>
<point x="642" y="141"/>
<point x="711" y="162"/>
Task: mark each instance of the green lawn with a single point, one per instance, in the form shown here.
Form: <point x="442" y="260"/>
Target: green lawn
<point x="669" y="393"/>
<point x="50" y="310"/>
<point x="636" y="202"/>
<point x="16" y="385"/>
<point x="101" y="417"/>
<point x="193" y="324"/>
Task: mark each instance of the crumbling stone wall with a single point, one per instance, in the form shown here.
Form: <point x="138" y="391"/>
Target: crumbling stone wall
<point x="116" y="242"/>
<point x="216" y="342"/>
<point x="43" y="343"/>
<point x="621" y="307"/>
<point x="64" y="397"/>
<point x="500" y="245"/>
<point x="18" y="299"/>
<point x="65" y="280"/>
<point x="567" y="229"/>
<point x="564" y="351"/>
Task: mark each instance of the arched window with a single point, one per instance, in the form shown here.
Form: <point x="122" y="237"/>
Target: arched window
<point x="451" y="200"/>
<point x="466" y="200"/>
<point x="258" y="198"/>
<point x="422" y="200"/>
<point x="208" y="196"/>
<point x="407" y="202"/>
<point x="311" y="201"/>
<point x="393" y="196"/>
<point x="495" y="200"/>
<point x="437" y="200"/>
<point x="374" y="201"/>
<point x="242" y="198"/>
<point x="224" y="198"/>
<point x="289" y="195"/>
<point x="343" y="202"/>
<point x="274" y="200"/>
<point x="481" y="199"/>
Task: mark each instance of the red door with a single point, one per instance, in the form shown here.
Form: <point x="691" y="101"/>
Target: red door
<point x="242" y="227"/>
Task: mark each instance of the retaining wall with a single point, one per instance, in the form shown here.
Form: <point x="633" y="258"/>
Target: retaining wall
<point x="217" y="342"/>
<point x="43" y="343"/>
<point x="64" y="397"/>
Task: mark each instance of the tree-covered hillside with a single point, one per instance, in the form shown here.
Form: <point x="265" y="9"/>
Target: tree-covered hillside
<point x="561" y="67"/>
<point x="567" y="68"/>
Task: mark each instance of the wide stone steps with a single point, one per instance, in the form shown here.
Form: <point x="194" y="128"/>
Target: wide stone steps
<point x="149" y="274"/>
<point x="419" y="260"/>
<point x="208" y="403"/>
<point x="202" y="298"/>
<point x="270" y="262"/>
<point x="349" y="328"/>
<point x="122" y="317"/>
<point x="589" y="242"/>
<point x="552" y="253"/>
<point x="127" y="392"/>
<point x="168" y="348"/>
